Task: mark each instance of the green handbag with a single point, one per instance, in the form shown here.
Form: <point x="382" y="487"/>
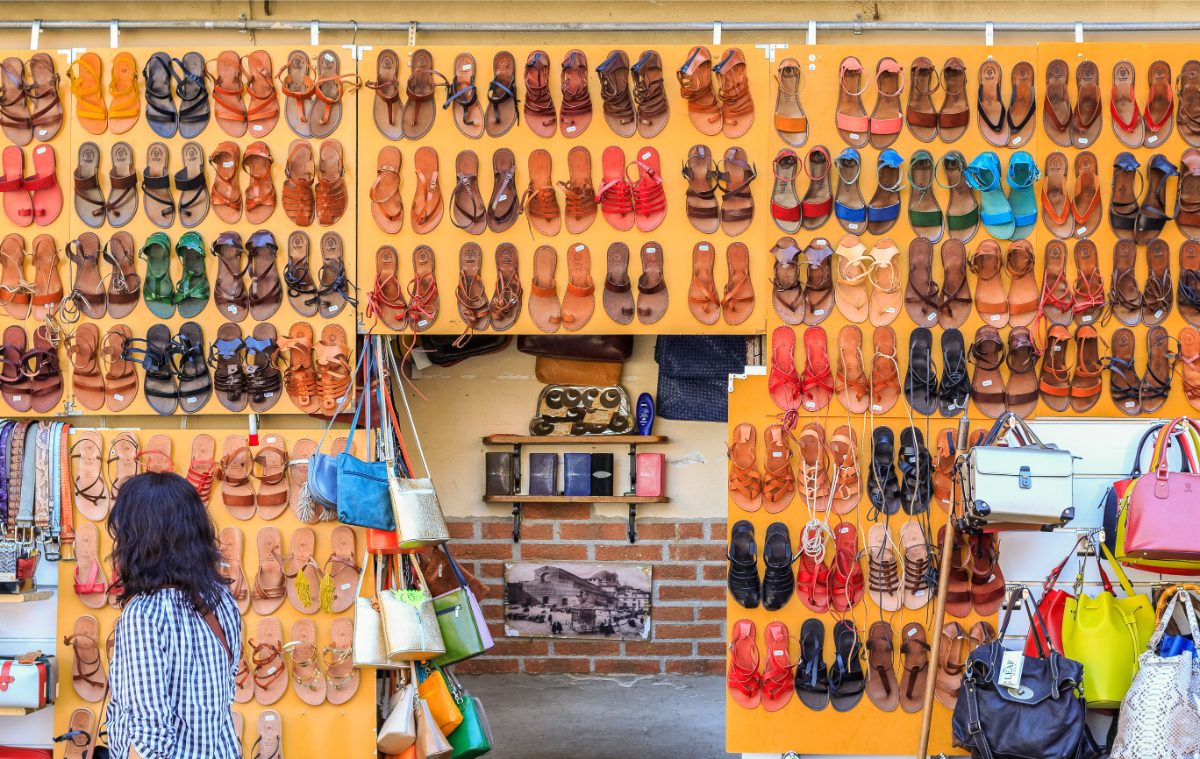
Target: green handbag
<point x="461" y="621"/>
<point x="474" y="736"/>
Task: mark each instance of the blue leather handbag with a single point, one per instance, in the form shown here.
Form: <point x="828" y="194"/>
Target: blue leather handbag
<point x="362" y="486"/>
<point x="322" y="467"/>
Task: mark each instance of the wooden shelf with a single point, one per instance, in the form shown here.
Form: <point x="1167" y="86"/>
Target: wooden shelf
<point x="17" y="711"/>
<point x="576" y="499"/>
<point x="574" y="439"/>
<point x="20" y="598"/>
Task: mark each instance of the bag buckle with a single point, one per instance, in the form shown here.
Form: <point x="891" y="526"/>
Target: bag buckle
<point x="1026" y="479"/>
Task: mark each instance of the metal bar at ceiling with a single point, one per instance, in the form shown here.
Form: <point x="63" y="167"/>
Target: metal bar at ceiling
<point x="608" y="26"/>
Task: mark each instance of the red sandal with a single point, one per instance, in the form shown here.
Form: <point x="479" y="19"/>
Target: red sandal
<point x="846" y="575"/>
<point x="615" y="194"/>
<point x="744" y="680"/>
<point x="812" y="583"/>
<point x="778" y="679"/>
<point x="816" y="382"/>
<point x="784" y="382"/>
<point x="649" y="199"/>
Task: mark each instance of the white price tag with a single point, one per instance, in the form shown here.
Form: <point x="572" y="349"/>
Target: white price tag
<point x="1010" y="669"/>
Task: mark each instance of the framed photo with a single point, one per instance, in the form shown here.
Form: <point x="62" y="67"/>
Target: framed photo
<point x="570" y="599"/>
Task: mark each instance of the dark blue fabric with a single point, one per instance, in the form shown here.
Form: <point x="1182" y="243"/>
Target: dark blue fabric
<point x="693" y="377"/>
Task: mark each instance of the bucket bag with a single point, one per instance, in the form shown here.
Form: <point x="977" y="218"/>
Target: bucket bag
<point x="1040" y="716"/>
<point x="1160" y="512"/>
<point x="410" y="628"/>
<point x="1030" y="484"/>
<point x="322" y="467"/>
<point x="1159" y="717"/>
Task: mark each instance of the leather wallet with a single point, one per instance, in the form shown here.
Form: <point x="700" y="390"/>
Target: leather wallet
<point x="602" y="474"/>
<point x="500" y="478"/>
<point x="650" y="469"/>
<point x="577" y="473"/>
<point x="543" y="474"/>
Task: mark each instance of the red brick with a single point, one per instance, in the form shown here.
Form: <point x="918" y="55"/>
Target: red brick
<point x="693" y="552"/>
<point x="593" y="531"/>
<point x="520" y="647"/>
<point x="718" y="531"/>
<point x="503" y="531"/>
<point x="558" y="511"/>
<point x="696" y="666"/>
<point x="490" y="569"/>
<point x="691" y="593"/>
<point x="675" y="572"/>
<point x="680" y="632"/>
<point x="628" y="666"/>
<point x="634" y="552"/>
<point x="671" y="531"/>
<point x="488" y="665"/>
<point x="711" y="649"/>
<point x="714" y="571"/>
<point x="461" y="530"/>
<point x="677" y="613"/>
<point x="557" y="666"/>
<point x="657" y="648"/>
<point x="483" y="551"/>
<point x="704" y="612"/>
<point x="587" y="648"/>
<point x="552" y="551"/>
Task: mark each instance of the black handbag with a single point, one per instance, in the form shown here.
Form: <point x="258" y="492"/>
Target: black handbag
<point x="1044" y="716"/>
<point x="448" y="350"/>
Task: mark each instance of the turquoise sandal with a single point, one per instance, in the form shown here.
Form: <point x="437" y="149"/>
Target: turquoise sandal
<point x="983" y="175"/>
<point x="1022" y="173"/>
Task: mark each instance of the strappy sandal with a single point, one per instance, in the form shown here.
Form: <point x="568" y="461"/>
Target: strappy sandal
<point x="338" y="657"/>
<point x="1152" y="214"/>
<point x="260" y="191"/>
<point x="331" y="195"/>
<point x="1189" y="354"/>
<point x="818" y="286"/>
<point x="737" y="204"/>
<point x="48" y="297"/>
<point x="615" y="94"/>
<point x="1189" y="281"/>
<point x="846" y="581"/>
<point x="954" y="388"/>
<point x="90" y="109"/>
<point x="733" y="91"/>
<point x="987" y="579"/>
<point x="473" y="305"/>
<point x="226" y="193"/>
<point x="886" y="300"/>
<point x="1187" y="90"/>
<point x="580" y="198"/>
<point x="700" y="204"/>
<point x="943" y="473"/>
<point x="502" y="110"/>
<point x="649" y="198"/>
<point x="744" y="481"/>
<point x="202" y="472"/>
<point x="299" y="203"/>
<point x="298" y="88"/>
<point x="843" y="453"/>
<point x="229" y="377"/>
<point x="1124" y="384"/>
<point x="812" y="675"/>
<point x="1123" y="200"/>
<point x="190" y="368"/>
<point x="851" y="386"/>
<point x="299" y="375"/>
<point x="231" y="295"/>
<point x="1086" y="382"/>
<point x="787" y="293"/>
<point x="264" y="381"/>
<point x="885" y="378"/>
<point x="463" y="97"/>
<point x="334" y="290"/>
<point x="540" y="113"/>
<point x="954" y="305"/>
<point x="783" y="381"/>
<point x="696" y="86"/>
<point x="816" y="381"/>
<point x="154" y="355"/>
<point x="815" y="484"/>
<point x="262" y="108"/>
<point x="229" y="88"/>
<point x="919" y="581"/>
<point x="89" y="491"/>
<point x="468" y="211"/>
<point x="386" y="300"/>
<point x="952" y="664"/>
<point x="987" y="384"/>
<point x="853" y="271"/>
<point x="507" y="295"/>
<point x="576" y="111"/>
<point x="45" y="104"/>
<point x="270" y="670"/>
<point x="504" y="206"/>
<point x="817" y="203"/>
<point x="777" y="679"/>
<point x="921" y="381"/>
<point x="962" y="210"/>
<point x="308" y="681"/>
<point x="328" y="91"/>
<point x="778" y="479"/>
<point x="194" y="199"/>
<point x="1159" y="295"/>
<point x="1058" y="297"/>
<point x="83" y="351"/>
<point x="744" y="681"/>
<point x="1088" y="288"/>
<point x="41" y="366"/>
<point x="1125" y="293"/>
<point x="334" y="369"/>
<point x="1160" y="368"/>
<point x="882" y="688"/>
<point x="540" y="201"/>
<point x="124" y="452"/>
<point x="162" y="115"/>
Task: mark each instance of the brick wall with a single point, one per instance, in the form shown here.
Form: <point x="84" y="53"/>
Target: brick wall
<point x="687" y="605"/>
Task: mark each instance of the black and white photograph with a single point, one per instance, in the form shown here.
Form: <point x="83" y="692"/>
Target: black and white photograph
<point x="577" y="600"/>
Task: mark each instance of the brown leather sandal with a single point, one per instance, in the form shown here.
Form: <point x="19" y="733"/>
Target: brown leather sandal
<point x="615" y="94"/>
<point x="737" y="204"/>
<point x="473" y="305"/>
<point x="1086" y="207"/>
<point x="921" y="114"/>
<point x="298" y="89"/>
<point x="299" y="203"/>
<point x="579" y="300"/>
<point x="424" y="302"/>
<point x="540" y="200"/>
<point x="194" y="198"/>
<point x="1086" y="382"/>
<point x="991" y="300"/>
<point x="334" y="367"/>
<point x="386" y="301"/>
<point x="738" y="302"/>
<point x="122" y="179"/>
<point x="1124" y="385"/>
<point x="578" y="193"/>
<point x="1023" y="292"/>
<point x="463" y="98"/>
<point x="954" y="307"/>
<point x="226" y="190"/>
<point x="1189" y="281"/>
<point x="1054" y="382"/>
<point x="467" y="211"/>
<point x="87" y="291"/>
<point x="652" y="286"/>
<point x="47" y="296"/>
<point x="333" y="291"/>
<point x="818" y="289"/>
<point x="1056" y="105"/>
<point x="703" y="301"/>
<point x="745" y="482"/>
<point x="851" y="385"/>
<point x="329" y="91"/>
<point x="502" y="111"/>
<point x="427" y="206"/>
<point x="120" y="376"/>
<point x="41" y="365"/>
<point x="87" y="381"/>
<point x="1088" y="119"/>
<point x="576" y="108"/>
<point x="45" y="105"/>
<point x="544" y="307"/>
<point x="262" y="110"/>
<point x="331" y="197"/>
<point x="1159" y="295"/>
<point x="299" y="375"/>
<point x="156" y="186"/>
<point x="231" y="295"/>
<point x="1021" y="106"/>
<point x="1088" y="288"/>
<point x="650" y="95"/>
<point x="617" y="297"/>
<point x="266" y="289"/>
<point x="540" y="113"/>
<point x="696" y="86"/>
<point x="260" y="190"/>
<point x="700" y="204"/>
<point x="125" y="284"/>
<point x="885" y="371"/>
<point x="955" y="113"/>
<point x="779" y="479"/>
<point x="227" y="91"/>
<point x="1021" y="390"/>
<point x="788" y="290"/>
<point x="387" y="207"/>
<point x="1189" y="354"/>
<point x="921" y="296"/>
<point x="387" y="106"/>
<point x="987" y="384"/>
<point x="507" y="296"/>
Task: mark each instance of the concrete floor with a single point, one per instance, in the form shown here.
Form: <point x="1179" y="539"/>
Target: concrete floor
<point x="555" y="716"/>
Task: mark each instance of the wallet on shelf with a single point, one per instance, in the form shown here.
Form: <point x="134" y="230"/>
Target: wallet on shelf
<point x="650" y="470"/>
<point x="577" y="469"/>
<point x="602" y="474"/>
<point x="543" y="474"/>
<point x="501" y="471"/>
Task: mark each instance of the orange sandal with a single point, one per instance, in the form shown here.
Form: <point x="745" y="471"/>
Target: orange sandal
<point x="90" y="108"/>
<point x="745" y="483"/>
<point x="124" y="104"/>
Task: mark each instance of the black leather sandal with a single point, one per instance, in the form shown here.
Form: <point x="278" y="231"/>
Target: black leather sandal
<point x="742" y="578"/>
<point x="779" y="582"/>
<point x="921" y="382"/>
<point x="846" y="679"/>
<point x="812" y="675"/>
<point x="883" y="487"/>
<point x="954" y="390"/>
<point x="917" y="467"/>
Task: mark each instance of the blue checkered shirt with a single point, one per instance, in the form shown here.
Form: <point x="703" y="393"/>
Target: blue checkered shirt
<point x="172" y="681"/>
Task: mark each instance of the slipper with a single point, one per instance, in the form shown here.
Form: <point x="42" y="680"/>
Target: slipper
<point x="341" y="675"/>
<point x="955" y="113"/>
<point x="270" y="671"/>
<point x="818" y="290"/>
<point x="263" y="378"/>
<point x="474" y="308"/>
<point x="784" y="381"/>
<point x="850" y="117"/>
<point x="918" y="591"/>
<point x="540" y="200"/>
<point x="504" y="206"/>
<point x="652" y="287"/>
<point x="1022" y="106"/>
<point x="849" y="206"/>
<point x="47" y="199"/>
<point x="816" y="381"/>
<point x="270" y="586"/>
<point x="851" y="384"/>
<point x="853" y="271"/>
<point x="576" y="110"/>
<point x="236" y="493"/>
<point x="501" y="94"/>
<point x="83" y="350"/>
<point x="920" y="381"/>
<point x="914" y="658"/>
<point x="991" y="300"/>
<point x="90" y="491"/>
<point x="162" y="115"/>
<point x="811" y="682"/>
<point x="1088" y="288"/>
<point x="90" y="109"/>
<point x="885" y="378"/>
<point x="194" y="199"/>
<point x="157" y="201"/>
<point x="1159" y="295"/>
<point x="308" y="681"/>
<point x="1127" y="121"/>
<point x="954" y="307"/>
<point x="738" y="302"/>
<point x="962" y="210"/>
<point x="1160" y="104"/>
<point x="884" y="207"/>
<point x="89" y="580"/>
<point x="579" y="300"/>
<point x="791" y="123"/>
<point x="1022" y="173"/>
<point x="843" y="452"/>
<point x="744" y="681"/>
<point x="817" y="203"/>
<point x="507" y="296"/>
<point x="882" y="688"/>
<point x="1189" y="281"/>
<point x="1056" y="105"/>
<point x="1021" y="390"/>
<point x="954" y="388"/>
<point x="462" y="98"/>
<point x="90" y="204"/>
<point x="1124" y="385"/>
<point x="650" y="200"/>
<point x="539" y="110"/>
<point x="779" y="479"/>
<point x="952" y="664"/>
<point x="846" y="581"/>
<point x="124" y="106"/>
<point x="993" y="116"/>
<point x="18" y="203"/>
<point x="1086" y="382"/>
<point x="544" y="307"/>
<point x="887" y="286"/>
<point x="745" y="483"/>
<point x="983" y="175"/>
<point x="88" y="676"/>
<point x="987" y="384"/>
<point x="303" y="573"/>
<point x="846" y="679"/>
<point x="924" y="213"/>
<point x="1087" y="122"/>
<point x="47" y="283"/>
<point x="787" y="294"/>
<point x="703" y="301"/>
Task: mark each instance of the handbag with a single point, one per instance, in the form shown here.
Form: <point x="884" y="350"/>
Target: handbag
<point x="362" y="486"/>
<point x="608" y="348"/>
<point x="399" y="731"/>
<point x="1040" y="717"/>
<point x="1106" y="634"/>
<point x="1051" y="607"/>
<point x="322" y="467"/>
<point x="431" y="744"/>
<point x="1160" y="716"/>
<point x="370" y="647"/>
<point x="1112" y="496"/>
<point x="435" y="690"/>
<point x="1158" y="512"/>
<point x="474" y="736"/>
<point x="461" y="621"/>
<point x="1030" y="484"/>
<point x="410" y="628"/>
<point x="27" y="681"/>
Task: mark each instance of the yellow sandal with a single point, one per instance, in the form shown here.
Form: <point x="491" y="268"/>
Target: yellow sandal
<point x="125" y="105"/>
<point x="90" y="109"/>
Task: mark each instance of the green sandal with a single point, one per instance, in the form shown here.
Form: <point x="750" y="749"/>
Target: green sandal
<point x="156" y="288"/>
<point x="192" y="292"/>
<point x="924" y="213"/>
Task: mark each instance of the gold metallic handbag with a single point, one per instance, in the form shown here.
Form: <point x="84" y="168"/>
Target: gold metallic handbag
<point x="370" y="650"/>
<point x="410" y="627"/>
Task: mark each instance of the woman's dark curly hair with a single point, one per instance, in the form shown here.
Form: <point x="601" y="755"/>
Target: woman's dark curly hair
<point x="164" y="537"/>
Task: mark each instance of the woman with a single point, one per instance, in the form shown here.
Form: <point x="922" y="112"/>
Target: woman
<point x="173" y="667"/>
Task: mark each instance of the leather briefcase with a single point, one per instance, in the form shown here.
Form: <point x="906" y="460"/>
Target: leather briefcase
<point x="1026" y="485"/>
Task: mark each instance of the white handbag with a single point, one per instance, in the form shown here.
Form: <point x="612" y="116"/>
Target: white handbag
<point x="1026" y="485"/>
<point x="399" y="730"/>
<point x="1160" y="717"/>
<point x="27" y="681"/>
<point x="370" y="650"/>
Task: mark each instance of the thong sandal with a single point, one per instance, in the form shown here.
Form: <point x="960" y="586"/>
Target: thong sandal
<point x="340" y="673"/>
<point x="617" y="297"/>
<point x="508" y="295"/>
<point x="846" y="679"/>
<point x="89" y="490"/>
<point x="328" y="92"/>
<point x="1124" y="384"/>
<point x="231" y="296"/>
<point x="851" y="385"/>
<point x="1127" y="121"/>
<point x="882" y="688"/>
<point x="270" y="670"/>
<point x="993" y="116"/>
<point x="1021" y="108"/>
<point x="424" y="304"/>
<point x="265" y="294"/>
<point x="886" y="300"/>
<point x="818" y="289"/>
<point x="914" y="657"/>
<point x="579" y="300"/>
<point x="853" y="270"/>
<point x="194" y="199"/>
<point x="1160" y="368"/>
<point x="462" y="97"/>
<point x="1057" y="112"/>
<point x="816" y="381"/>
<point x="229" y="543"/>
<point x="744" y="681"/>
<point x="738" y="302"/>
<point x="298" y="89"/>
<point x="473" y="305"/>
<point x="1087" y="122"/>
<point x="651" y="285"/>
<point x="787" y="294"/>
<point x="954" y="305"/>
<point x="386" y="107"/>
<point x="228" y="89"/>
<point x="123" y="452"/>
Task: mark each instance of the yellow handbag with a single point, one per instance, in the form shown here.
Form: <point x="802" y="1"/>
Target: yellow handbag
<point x="1106" y="635"/>
<point x="441" y="701"/>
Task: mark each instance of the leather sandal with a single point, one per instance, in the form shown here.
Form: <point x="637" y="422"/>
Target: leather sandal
<point x="14" y="384"/>
<point x="162" y="115"/>
<point x="882" y="687"/>
<point x="1125" y="293"/>
<point x="650" y="95"/>
<point x="851" y="385"/>
<point x="47" y="296"/>
<point x="45" y="195"/>
<point x="987" y="384"/>
<point x="955" y="112"/>
<point x="1023" y="293"/>
<point x="502" y="111"/>
<point x="617" y="297"/>
<point x="851" y="119"/>
<point x="1057" y="207"/>
<point x="334" y="367"/>
<point x="260" y="191"/>
<point x="504" y="205"/>
<point x="783" y="381"/>
<point x="266" y="291"/>
<point x="1088" y="288"/>
<point x="16" y="292"/>
<point x="779" y="479"/>
<point x="1189" y="354"/>
<point x="846" y="581"/>
<point x="702" y="299"/>
<point x="467" y="210"/>
<point x="991" y="300"/>
<point x="191" y="369"/>
<point x="733" y="180"/>
<point x="849" y="206"/>
<point x="330" y="198"/>
<point x="886" y="300"/>
<point x="226" y="190"/>
<point x="816" y="489"/>
<point x="1087" y="120"/>
<point x="540" y="201"/>
<point x="1086" y="207"/>
<point x="1123" y="200"/>
<point x="700" y="204"/>
<point x="883" y="575"/>
<point x="1152" y="215"/>
<point x="386" y="300"/>
<point x="918" y="583"/>
<point x="507" y="296"/>
<point x="120" y="377"/>
<point x="962" y="210"/>
<point x="1160" y="368"/>
<point x="649" y="198"/>
<point x="299" y="374"/>
<point x="652" y="296"/>
<point x="427" y="208"/>
<point x="816" y="381"/>
<point x="1021" y="390"/>
<point x="818" y="286"/>
<point x="301" y="290"/>
<point x="473" y="304"/>
<point x="952" y="663"/>
<point x="785" y="202"/>
<point x="993" y="115"/>
<point x="733" y="90"/>
<point x="745" y="482"/>
<point x="462" y="98"/>
<point x="737" y="303"/>
<point x="194" y="198"/>
<point x="1086" y="382"/>
<point x="777" y="680"/>
<point x="791" y="123"/>
<point x="1189" y="281"/>
<point x="887" y="119"/>
<point x="1158" y="297"/>
<point x="90" y="205"/>
<point x="1187" y="213"/>
<point x="231" y="295"/>
<point x="123" y="285"/>
<point x="122" y="199"/>
<point x="943" y="472"/>
<point x="576" y="110"/>
<point x="91" y="111"/>
<point x="914" y="656"/>
<point x="87" y="381"/>
<point x="124" y="105"/>
<point x="1022" y="106"/>
<point x="540" y="113"/>
<point x="1057" y="112"/>
<point x="987" y="578"/>
<point x="744" y="681"/>
<point x="1055" y="379"/>
<point x="296" y="76"/>
<point x="1160" y="104"/>
<point x="419" y="108"/>
<point x="87" y="290"/>
<point x="921" y="114"/>
<point x="333" y="287"/>
<point x="924" y="213"/>
<point x="544" y="307"/>
<point x="954" y="388"/>
<point x="817" y="203"/>
<point x="579" y="198"/>
<point x="696" y="86"/>
<point x="846" y="679"/>
<point x="1124" y="385"/>
<point x="386" y="107"/>
<point x="884" y="207"/>
<point x="1127" y="121"/>
<point x="262" y="110"/>
<point x="885" y="371"/>
<point x="229" y="87"/>
<point x="154" y="354"/>
<point x="921" y="381"/>
<point x="18" y="202"/>
<point x="328" y="91"/>
<point x="787" y="288"/>
<point x="157" y="200"/>
<point x="157" y="289"/>
<point x="615" y="94"/>
<point x="954" y="305"/>
<point x="264" y="382"/>
<point x="1187" y="115"/>
<point x="579" y="300"/>
<point x="1058" y="297"/>
<point x="844" y="454"/>
<point x="90" y="492"/>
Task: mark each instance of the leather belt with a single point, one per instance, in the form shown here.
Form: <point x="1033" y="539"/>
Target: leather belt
<point x="16" y="457"/>
<point x="28" y="474"/>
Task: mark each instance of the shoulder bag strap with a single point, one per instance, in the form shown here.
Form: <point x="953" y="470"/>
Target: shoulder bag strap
<point x="462" y="580"/>
<point x="1117" y="570"/>
<point x="210" y="619"/>
<point x="408" y="412"/>
<point x="1136" y="471"/>
<point x="341" y="406"/>
<point x="1052" y="578"/>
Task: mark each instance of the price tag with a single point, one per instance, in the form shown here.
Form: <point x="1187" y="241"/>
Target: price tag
<point x="1010" y="669"/>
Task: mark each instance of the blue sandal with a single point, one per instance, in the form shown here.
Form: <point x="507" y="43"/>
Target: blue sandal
<point x="853" y="218"/>
<point x="1022" y="173"/>
<point x="889" y="181"/>
<point x="983" y="175"/>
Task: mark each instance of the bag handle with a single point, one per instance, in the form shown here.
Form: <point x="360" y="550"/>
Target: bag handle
<point x="342" y="405"/>
<point x="1036" y="623"/>
<point x="364" y="401"/>
<point x="378" y="575"/>
<point x="1052" y="578"/>
<point x="1009" y="421"/>
<point x="462" y="580"/>
<point x="1171" y="596"/>
<point x="391" y="355"/>
<point x="417" y="573"/>
<point x="1158" y="463"/>
<point x="1122" y="578"/>
<point x="1107" y="583"/>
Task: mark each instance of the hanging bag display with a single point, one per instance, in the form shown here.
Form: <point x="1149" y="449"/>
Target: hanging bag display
<point x="464" y="629"/>
<point x="322" y="467"/>
<point x="1112" y="496"/>
<point x="1160" y="716"/>
<point x="1159" y="523"/>
<point x="1029" y="484"/>
<point x="1106" y="634"/>
<point x="399" y="730"/>
<point x="435" y="690"/>
<point x="431" y="744"/>
<point x="362" y="486"/>
<point x="1013" y="706"/>
<point x="410" y="627"/>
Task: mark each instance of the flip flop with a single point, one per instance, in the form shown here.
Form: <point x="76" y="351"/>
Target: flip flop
<point x="1057" y="113"/>
<point x="123" y="197"/>
<point x="846" y="679"/>
<point x="1088" y="120"/>
<point x="46" y="195"/>
<point x="987" y="384"/>
<point x="851" y="384"/>
<point x="1127" y="121"/>
<point x="1022" y="107"/>
<point x="89" y="580"/>
<point x="194" y="199"/>
<point x="850" y="117"/>
<point x="921" y="114"/>
<point x="652" y="287"/>
<point x="90" y="492"/>
<point x="544" y="307"/>
<point x="579" y="300"/>
<point x="738" y="302"/>
<point x="914" y="657"/>
<point x="993" y="116"/>
<point x="882" y="688"/>
<point x="303" y="574"/>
